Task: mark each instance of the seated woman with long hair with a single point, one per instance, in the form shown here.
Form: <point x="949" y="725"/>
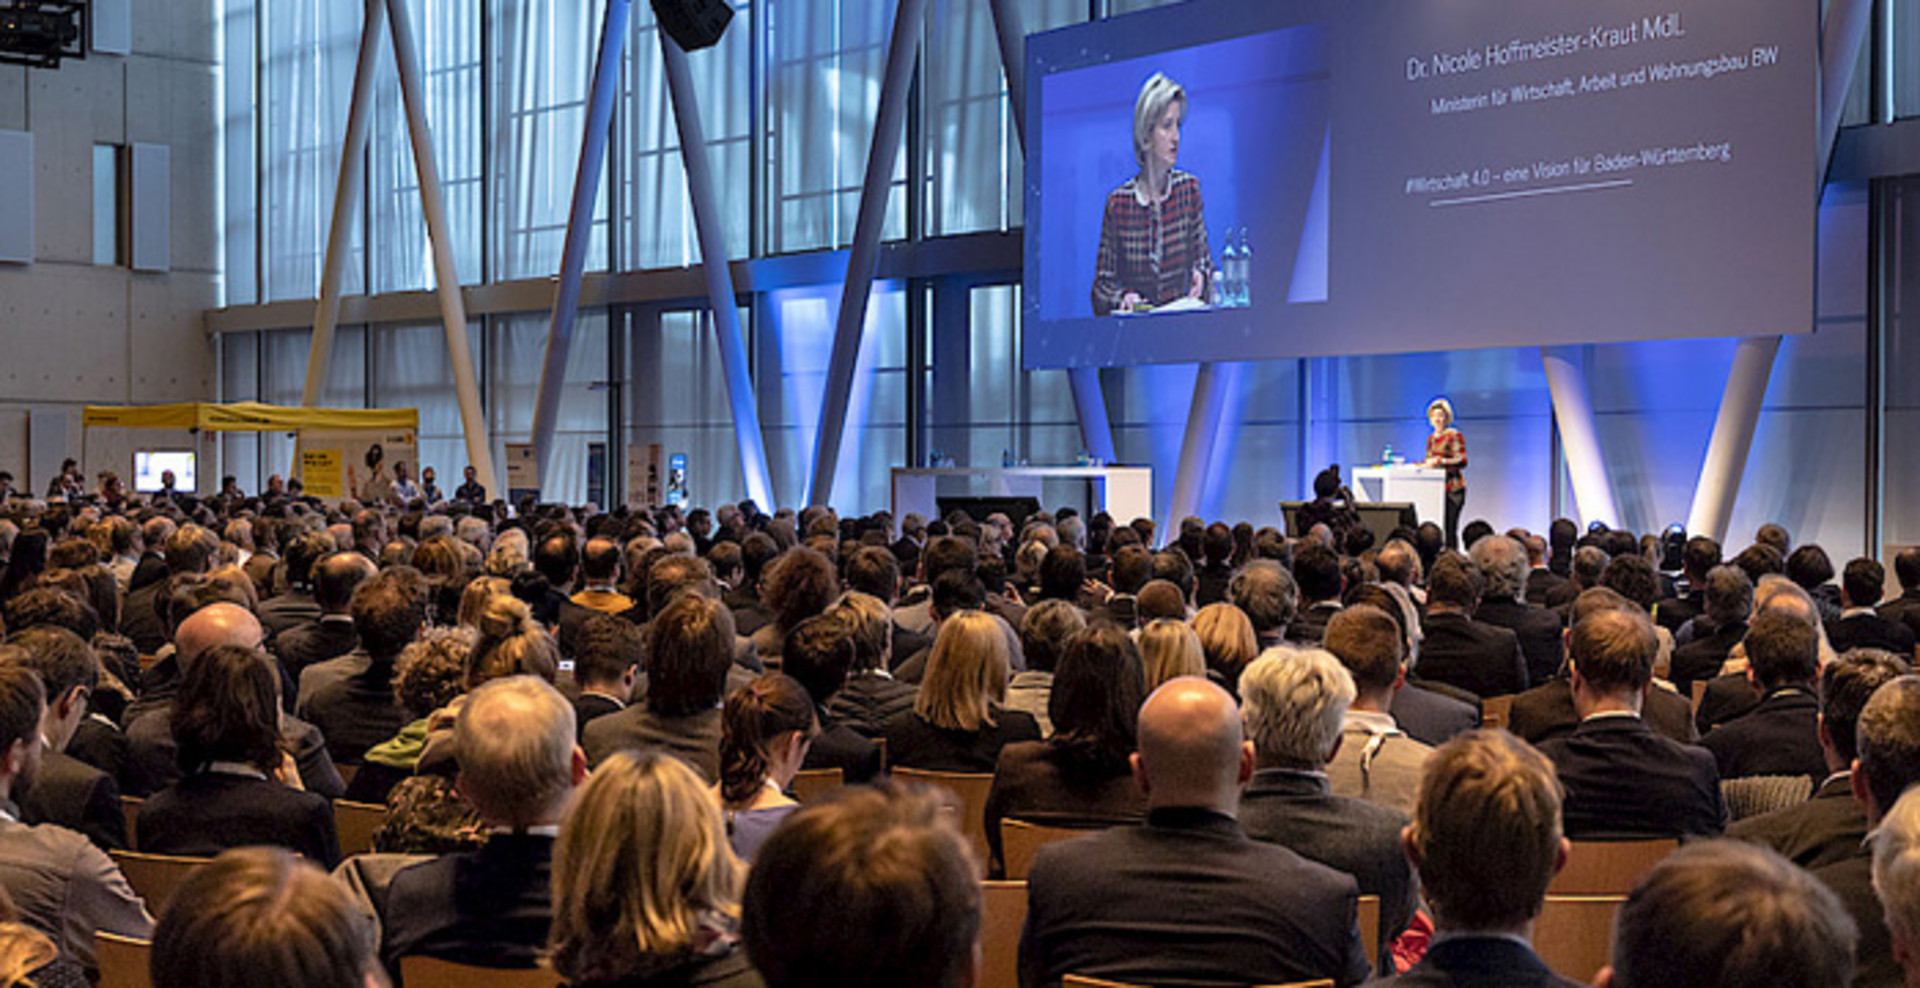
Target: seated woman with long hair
<point x="959" y="722"/>
<point x="240" y="785"/>
<point x="646" y="891"/>
<point x="1169" y="649"/>
<point x="1227" y="641"/>
<point x="1082" y="776"/>
<point x="766" y="729"/>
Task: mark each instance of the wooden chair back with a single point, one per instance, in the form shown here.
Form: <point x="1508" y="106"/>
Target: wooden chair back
<point x="355" y="824"/>
<point x="155" y="876"/>
<point x="1003" y="913"/>
<point x="1370" y="927"/>
<point x="812" y="785"/>
<point x="1609" y="867"/>
<point x="347" y="772"/>
<point x="1021" y="840"/>
<point x="123" y="960"/>
<point x="1496" y="711"/>
<point x="1699" y="690"/>
<point x="130" y="805"/>
<point x="429" y="972"/>
<point x="1574" y="934"/>
<point x="969" y="790"/>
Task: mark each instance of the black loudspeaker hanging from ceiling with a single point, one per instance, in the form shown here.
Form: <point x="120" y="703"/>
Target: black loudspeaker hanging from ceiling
<point x="693" y="23"/>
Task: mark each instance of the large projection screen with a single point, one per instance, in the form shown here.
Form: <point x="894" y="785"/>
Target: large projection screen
<point x="1410" y="177"/>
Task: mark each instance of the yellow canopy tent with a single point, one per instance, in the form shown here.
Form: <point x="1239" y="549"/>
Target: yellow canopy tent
<point x="336" y="435"/>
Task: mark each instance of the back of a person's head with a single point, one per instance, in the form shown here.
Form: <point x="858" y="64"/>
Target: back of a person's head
<point x="1266" y="592"/>
<point x="967" y="671"/>
<point x="1217" y="544"/>
<point x="335" y="577"/>
<point x="1455" y="581"/>
<point x="819" y="653"/>
<point x="641" y="866"/>
<point x="1293" y="702"/>
<point x="1062" y="573"/>
<point x="1486" y="833"/>
<point x="387" y="613"/>
<point x="62" y="659"/>
<point x="674" y="574"/>
<point x="1398" y="562"/>
<point x="432" y="671"/>
<point x="874" y="571"/>
<point x="1094" y="704"/>
<point x="1613" y="649"/>
<point x="1589" y="562"/>
<point x="190" y="549"/>
<point x="1888" y="737"/>
<point x="1729" y="595"/>
<point x="1176" y="567"/>
<point x="947" y="553"/>
<point x="1503" y="563"/>
<point x="1701" y="555"/>
<point x="511" y="643"/>
<point x="1316" y="569"/>
<point x="884" y="862"/>
<point x="1863" y="582"/>
<point x="1782" y="650"/>
<point x="1727" y="914"/>
<point x="23" y="697"/>
<point x="515" y="738"/>
<point x="1906" y="566"/>
<point x="689" y="647"/>
<point x="1633" y="578"/>
<point x="1369" y="642"/>
<point x="557" y="557"/>
<point x="799" y="585"/>
<point x="263" y="916"/>
<point x="1809" y="566"/>
<point x="1190" y="743"/>
<point x="605" y="649"/>
<point x="56" y="608"/>
<point x="956" y="590"/>
<point x="1759" y="560"/>
<point x="228" y="709"/>
<point x="1896" y="875"/>
<point x="1846" y="684"/>
<point x="756" y="722"/>
<point x="1045" y="631"/>
<point x="600" y="560"/>
<point x="1160" y="600"/>
<point x="1131" y="567"/>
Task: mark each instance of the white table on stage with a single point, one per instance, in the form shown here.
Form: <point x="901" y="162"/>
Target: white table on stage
<point x="1124" y="492"/>
<point x="1425" y="487"/>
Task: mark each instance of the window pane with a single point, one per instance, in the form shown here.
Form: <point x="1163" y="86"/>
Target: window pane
<point x="448" y="36"/>
<point x="515" y="352"/>
<point x="306" y="80"/>
<point x="677" y="395"/>
<point x="792" y="371"/>
<point x="542" y="73"/>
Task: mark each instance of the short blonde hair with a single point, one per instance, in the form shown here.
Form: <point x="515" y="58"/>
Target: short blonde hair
<point x="642" y="855"/>
<point x="1226" y="638"/>
<point x="1168" y="650"/>
<point x="511" y="643"/>
<point x="1155" y="94"/>
<point x="1293" y="703"/>
<point x="474" y="599"/>
<point x="966" y="677"/>
<point x="1445" y="406"/>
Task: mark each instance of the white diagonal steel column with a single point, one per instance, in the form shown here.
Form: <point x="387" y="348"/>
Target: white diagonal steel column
<point x="903" y="48"/>
<point x="1089" y="401"/>
<point x="346" y="203"/>
<point x="573" y="252"/>
<point x="453" y="309"/>
<point x="1579" y="436"/>
<point x="712" y="231"/>
<point x="1843" y="36"/>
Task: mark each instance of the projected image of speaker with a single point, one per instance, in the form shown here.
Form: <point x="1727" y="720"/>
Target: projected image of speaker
<point x="693" y="23"/>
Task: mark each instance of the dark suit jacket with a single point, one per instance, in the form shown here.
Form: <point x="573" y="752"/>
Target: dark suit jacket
<point x="77" y="796"/>
<point x="1823" y="830"/>
<point x="1537" y="628"/>
<point x="1851" y="878"/>
<point x="1778" y="737"/>
<point x="315" y="642"/>
<point x="1541" y="584"/>
<point x="1623" y="779"/>
<point x="1546" y="711"/>
<point x="693" y="739"/>
<point x="1702" y="657"/>
<point x="350" y="699"/>
<point x="1904" y="609"/>
<point x="1482" y="659"/>
<point x="839" y="746"/>
<point x="153" y="760"/>
<point x="1187" y="899"/>
<point x="1310" y="627"/>
<point x="289" y="610"/>
<point x="209" y="812"/>
<point x="1871" y="631"/>
<point x="103" y="745"/>
<point x="589" y="707"/>
<point x="569" y="619"/>
<point x="1035" y="781"/>
<point x="1726" y="698"/>
<point x="488" y="908"/>
<point x="151" y="569"/>
<point x="914" y="743"/>
<point x="1430" y="716"/>
<point x="1676" y="611"/>
<point x="866" y="702"/>
<point x="140" y="621"/>
<point x="1211" y="585"/>
<point x="1299" y="812"/>
<point x="1478" y="962"/>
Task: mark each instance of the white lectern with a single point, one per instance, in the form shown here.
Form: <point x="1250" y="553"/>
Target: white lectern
<point x="1424" y="487"/>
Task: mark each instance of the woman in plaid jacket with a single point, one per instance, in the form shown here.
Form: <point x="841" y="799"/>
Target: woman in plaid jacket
<point x="1153" y="234"/>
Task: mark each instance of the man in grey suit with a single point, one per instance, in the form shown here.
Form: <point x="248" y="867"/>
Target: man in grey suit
<point x="1376" y="761"/>
<point x="1293" y="705"/>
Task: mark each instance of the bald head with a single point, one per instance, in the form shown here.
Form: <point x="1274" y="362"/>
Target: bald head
<point x="214" y="625"/>
<point x="1191" y="751"/>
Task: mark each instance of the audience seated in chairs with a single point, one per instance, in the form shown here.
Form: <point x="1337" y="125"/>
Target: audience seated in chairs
<point x="690" y="651"/>
<point x="1830" y="826"/>
<point x="1726" y="913"/>
<point x="646" y="890"/>
<point x="238" y="786"/>
<point x="1779" y="736"/>
<point x="1727" y="602"/>
<point x="820" y="654"/>
<point x="883" y="862"/>
<point x="1081" y="776"/>
<point x="1623" y="779"/>
<point x="1044" y="634"/>
<point x="1546" y="711"/>
<point x="66" y="791"/>
<point x="1486" y="840"/>
<point x="261" y="916"/>
<point x="1255" y="913"/>
<point x="350" y="699"/>
<point x="768" y="726"/>
<point x="519" y="764"/>
<point x="958" y="722"/>
<point x="1483" y="659"/>
<point x="870" y="695"/>
<point x="1376" y="760"/>
<point x="428" y="676"/>
<point x="1861" y="585"/>
<point x="1294" y="704"/>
